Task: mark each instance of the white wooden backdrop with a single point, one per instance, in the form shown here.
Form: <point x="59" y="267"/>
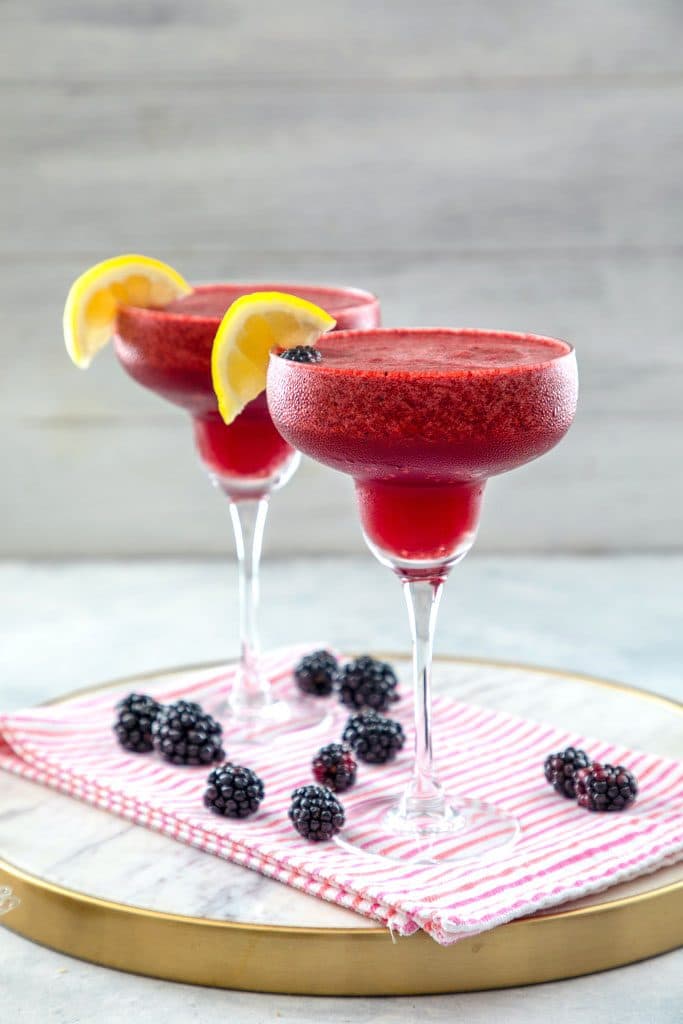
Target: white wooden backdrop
<point x="498" y="164"/>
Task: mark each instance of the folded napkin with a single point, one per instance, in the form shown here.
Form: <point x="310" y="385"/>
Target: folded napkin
<point x="563" y="852"/>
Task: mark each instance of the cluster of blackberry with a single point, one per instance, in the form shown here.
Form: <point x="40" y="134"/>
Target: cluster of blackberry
<point x="595" y="786"/>
<point x="316" y="813"/>
<point x="364" y="683"/>
<point x="182" y="733"/>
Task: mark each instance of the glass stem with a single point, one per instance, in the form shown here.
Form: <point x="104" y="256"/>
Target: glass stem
<point x="248" y="516"/>
<point x="424" y="796"/>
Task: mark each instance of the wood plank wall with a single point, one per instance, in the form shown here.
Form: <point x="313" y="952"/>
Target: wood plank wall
<point x="499" y="164"/>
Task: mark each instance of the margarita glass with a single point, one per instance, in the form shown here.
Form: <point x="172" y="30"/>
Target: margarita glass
<point x="168" y="350"/>
<point x="421" y="418"/>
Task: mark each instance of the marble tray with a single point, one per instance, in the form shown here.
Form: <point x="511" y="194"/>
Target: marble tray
<point x="106" y="891"/>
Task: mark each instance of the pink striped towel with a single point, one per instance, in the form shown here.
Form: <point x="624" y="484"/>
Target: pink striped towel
<point x="563" y="852"/>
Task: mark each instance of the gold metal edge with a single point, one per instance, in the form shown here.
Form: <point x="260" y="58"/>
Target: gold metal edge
<point x="289" y="959"/>
<point x="18" y="875"/>
<point x="519" y="666"/>
<point x="333" y="962"/>
<point x="567" y="674"/>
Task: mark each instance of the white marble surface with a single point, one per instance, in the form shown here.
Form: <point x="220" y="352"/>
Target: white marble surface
<point x="70" y="625"/>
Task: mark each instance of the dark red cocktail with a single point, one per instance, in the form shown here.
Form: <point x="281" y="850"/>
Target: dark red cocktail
<point x="421" y="419"/>
<point x="169" y="351"/>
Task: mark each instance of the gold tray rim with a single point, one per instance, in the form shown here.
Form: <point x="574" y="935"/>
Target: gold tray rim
<point x="651" y="933"/>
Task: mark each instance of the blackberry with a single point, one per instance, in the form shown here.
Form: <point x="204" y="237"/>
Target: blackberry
<point x="604" y="787"/>
<point x="560" y="770"/>
<point x="335" y="767"/>
<point x="302" y="354"/>
<point x="373" y="738"/>
<point x="136" y="714"/>
<point x="367" y="683"/>
<point x="315" y="674"/>
<point x="316" y="813"/>
<point x="185" y="734"/>
<point x="233" y="791"/>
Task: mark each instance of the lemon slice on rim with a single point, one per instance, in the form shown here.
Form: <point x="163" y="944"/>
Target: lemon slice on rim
<point x="94" y="298"/>
<point x="253" y="326"/>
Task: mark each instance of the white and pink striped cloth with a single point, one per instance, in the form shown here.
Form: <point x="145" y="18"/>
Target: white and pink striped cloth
<point x="563" y="852"/>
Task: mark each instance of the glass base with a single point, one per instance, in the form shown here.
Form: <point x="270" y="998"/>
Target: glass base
<point x="467" y="830"/>
<point x="263" y="721"/>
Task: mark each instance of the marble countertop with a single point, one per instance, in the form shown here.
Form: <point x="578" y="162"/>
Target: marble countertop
<point x="73" y="624"/>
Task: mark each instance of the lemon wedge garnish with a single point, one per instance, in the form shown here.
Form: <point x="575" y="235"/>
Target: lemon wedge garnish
<point x="253" y="326"/>
<point x="94" y="298"/>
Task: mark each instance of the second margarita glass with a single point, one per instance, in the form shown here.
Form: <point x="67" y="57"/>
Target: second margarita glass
<point x="168" y="350"/>
<point x="421" y="419"/>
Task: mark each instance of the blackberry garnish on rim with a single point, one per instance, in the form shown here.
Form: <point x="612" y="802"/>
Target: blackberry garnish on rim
<point x="302" y="354"/>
